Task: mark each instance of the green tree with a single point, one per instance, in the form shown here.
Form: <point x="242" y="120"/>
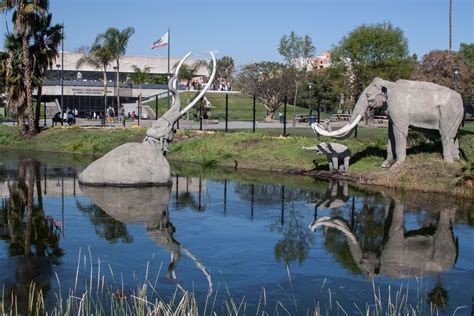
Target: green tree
<point x="379" y="50"/>
<point x="298" y="52"/>
<point x="323" y="91"/>
<point x="140" y="76"/>
<point x="15" y="86"/>
<point x="45" y="49"/>
<point x="100" y="57"/>
<point x="224" y="71"/>
<point x="117" y="42"/>
<point x="23" y="20"/>
<point x="268" y="82"/>
<point x="466" y="53"/>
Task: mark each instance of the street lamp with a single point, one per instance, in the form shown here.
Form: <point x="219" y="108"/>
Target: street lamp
<point x="456" y="78"/>
<point x="310" y="87"/>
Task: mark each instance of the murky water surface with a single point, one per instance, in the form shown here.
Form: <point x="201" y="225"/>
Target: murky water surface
<point x="297" y="240"/>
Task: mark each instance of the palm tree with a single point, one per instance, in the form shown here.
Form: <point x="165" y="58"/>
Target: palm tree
<point x="45" y="49"/>
<point x="23" y="20"/>
<point x="117" y="42"/>
<point x="14" y="81"/>
<point x="140" y="76"/>
<point x="99" y="57"/>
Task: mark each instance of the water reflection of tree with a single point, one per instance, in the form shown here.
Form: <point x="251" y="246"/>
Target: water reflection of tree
<point x="438" y="296"/>
<point x="31" y="236"/>
<point x="296" y="241"/>
<point x="105" y="226"/>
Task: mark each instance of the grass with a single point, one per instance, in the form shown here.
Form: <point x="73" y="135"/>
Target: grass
<point x="240" y="107"/>
<point x="73" y="139"/>
<point x="99" y="292"/>
<point x="424" y="169"/>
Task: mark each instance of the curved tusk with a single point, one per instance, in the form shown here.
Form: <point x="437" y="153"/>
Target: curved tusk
<point x="181" y="62"/>
<point x="206" y="87"/>
<point x="317" y="128"/>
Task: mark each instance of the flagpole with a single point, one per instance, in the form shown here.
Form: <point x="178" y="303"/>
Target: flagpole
<point x="169" y="44"/>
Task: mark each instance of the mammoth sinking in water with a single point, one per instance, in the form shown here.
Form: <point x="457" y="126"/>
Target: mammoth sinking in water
<point x="140" y="164"/>
<point x="409" y="103"/>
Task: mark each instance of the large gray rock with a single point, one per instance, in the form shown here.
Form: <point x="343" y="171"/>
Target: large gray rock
<point x="131" y="164"/>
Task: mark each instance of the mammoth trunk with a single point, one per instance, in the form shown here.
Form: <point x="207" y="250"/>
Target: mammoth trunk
<point x="345" y="131"/>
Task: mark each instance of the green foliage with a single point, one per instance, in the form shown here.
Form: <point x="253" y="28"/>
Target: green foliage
<point x="466" y="53"/>
<point x="225" y="69"/>
<point x="296" y="50"/>
<point x="379" y="50"/>
<point x="323" y="90"/>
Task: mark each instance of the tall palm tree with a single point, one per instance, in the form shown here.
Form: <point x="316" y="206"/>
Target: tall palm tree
<point x="23" y="20"/>
<point x="99" y="57"/>
<point x="140" y="76"/>
<point x="117" y="42"/>
<point x="45" y="49"/>
<point x="14" y="79"/>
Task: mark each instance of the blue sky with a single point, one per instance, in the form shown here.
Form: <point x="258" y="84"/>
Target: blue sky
<point x="249" y="31"/>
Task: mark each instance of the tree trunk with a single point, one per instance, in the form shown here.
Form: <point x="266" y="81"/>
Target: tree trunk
<point x="105" y="96"/>
<point x="27" y="74"/>
<point x="296" y="93"/>
<point x="269" y="117"/>
<point x="117" y="80"/>
<point x="29" y="208"/>
<point x="39" y="96"/>
<point x="21" y="121"/>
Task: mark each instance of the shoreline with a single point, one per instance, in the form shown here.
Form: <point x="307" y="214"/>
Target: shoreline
<point x="423" y="171"/>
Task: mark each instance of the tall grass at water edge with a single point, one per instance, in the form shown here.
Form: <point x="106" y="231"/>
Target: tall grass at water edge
<point x="101" y="294"/>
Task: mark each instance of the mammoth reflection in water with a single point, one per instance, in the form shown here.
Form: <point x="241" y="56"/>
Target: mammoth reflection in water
<point x="400" y="253"/>
<point x="148" y="205"/>
<point x="337" y="194"/>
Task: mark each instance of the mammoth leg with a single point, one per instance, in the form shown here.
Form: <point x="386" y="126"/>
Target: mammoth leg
<point x="346" y="163"/>
<point x="448" y="129"/>
<point x="400" y="137"/>
<point x="390" y="146"/>
<point x="335" y="163"/>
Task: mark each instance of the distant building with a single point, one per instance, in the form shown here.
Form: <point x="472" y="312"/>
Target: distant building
<point x="321" y="61"/>
<point x="317" y="62"/>
<point x="83" y="88"/>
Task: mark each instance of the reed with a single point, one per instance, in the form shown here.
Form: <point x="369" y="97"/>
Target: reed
<point x="99" y="294"/>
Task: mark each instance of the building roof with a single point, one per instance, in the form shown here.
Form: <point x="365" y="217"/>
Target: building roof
<point x="158" y="65"/>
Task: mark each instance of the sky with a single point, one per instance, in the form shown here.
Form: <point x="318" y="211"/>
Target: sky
<point x="250" y="30"/>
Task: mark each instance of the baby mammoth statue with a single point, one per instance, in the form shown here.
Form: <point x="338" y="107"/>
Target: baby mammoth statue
<point x="338" y="155"/>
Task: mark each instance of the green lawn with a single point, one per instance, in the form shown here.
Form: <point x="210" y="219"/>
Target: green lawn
<point x="240" y="107"/>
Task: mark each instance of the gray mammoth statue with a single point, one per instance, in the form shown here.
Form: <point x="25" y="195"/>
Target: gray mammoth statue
<point x="139" y="164"/>
<point x="409" y="103"/>
<point x="403" y="253"/>
<point x="338" y="155"/>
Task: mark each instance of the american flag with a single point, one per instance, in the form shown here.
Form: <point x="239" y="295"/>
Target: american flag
<point x="163" y="41"/>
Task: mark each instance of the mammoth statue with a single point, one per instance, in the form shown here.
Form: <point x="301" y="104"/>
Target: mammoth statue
<point x="338" y="155"/>
<point x="409" y="103"/>
<point x="139" y="164"/>
<point x="403" y="253"/>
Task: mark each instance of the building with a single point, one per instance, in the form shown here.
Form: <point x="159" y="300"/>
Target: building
<point x="317" y="62"/>
<point x="83" y="88"/>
